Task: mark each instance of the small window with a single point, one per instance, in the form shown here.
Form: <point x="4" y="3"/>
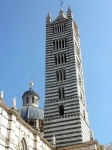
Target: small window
<point x="84" y="114"/>
<point x="27" y="99"/>
<point x="61" y="110"/>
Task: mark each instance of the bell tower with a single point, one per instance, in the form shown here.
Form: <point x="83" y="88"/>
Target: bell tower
<point x="65" y="110"/>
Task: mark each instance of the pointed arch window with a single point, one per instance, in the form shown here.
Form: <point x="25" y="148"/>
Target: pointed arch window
<point x="61" y="110"/>
<point x="60" y="75"/>
<point x="60" y="59"/>
<point x="59" y="28"/>
<point x="22" y="145"/>
<point x="60" y="43"/>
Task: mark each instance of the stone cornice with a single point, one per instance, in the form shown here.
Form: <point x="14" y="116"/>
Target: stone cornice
<point x="85" y="144"/>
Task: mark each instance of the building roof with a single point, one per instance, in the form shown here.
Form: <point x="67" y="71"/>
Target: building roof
<point x="30" y="92"/>
<point x="31" y="113"/>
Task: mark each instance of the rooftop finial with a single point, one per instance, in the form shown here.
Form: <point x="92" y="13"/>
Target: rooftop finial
<point x="31" y="84"/>
<point x="1" y="94"/>
<point x="69" y="9"/>
<point x="91" y="135"/>
<point x="14" y="103"/>
<point x="69" y="13"/>
<point x="54" y="141"/>
<point x="48" y="16"/>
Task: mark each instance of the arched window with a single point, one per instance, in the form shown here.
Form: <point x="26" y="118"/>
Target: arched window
<point x="27" y="99"/>
<point x="22" y="145"/>
<point x="33" y="99"/>
<point x="60" y="75"/>
<point x="61" y="110"/>
<point x="60" y="59"/>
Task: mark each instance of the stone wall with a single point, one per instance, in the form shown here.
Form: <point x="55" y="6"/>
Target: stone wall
<point x="16" y="134"/>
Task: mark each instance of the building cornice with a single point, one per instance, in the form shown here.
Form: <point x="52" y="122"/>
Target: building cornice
<point x="12" y="111"/>
<point x="85" y="144"/>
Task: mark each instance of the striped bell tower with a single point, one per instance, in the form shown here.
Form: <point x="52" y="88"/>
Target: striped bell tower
<point x="65" y="110"/>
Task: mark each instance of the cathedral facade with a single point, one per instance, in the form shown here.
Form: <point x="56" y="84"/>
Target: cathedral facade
<point x="64" y="123"/>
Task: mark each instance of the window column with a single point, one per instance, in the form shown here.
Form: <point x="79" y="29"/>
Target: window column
<point x="63" y="58"/>
<point x="62" y="75"/>
<point x="59" y="75"/>
<point x="58" y="44"/>
<point x="62" y="93"/>
<point x="61" y="44"/>
<point x="60" y="59"/>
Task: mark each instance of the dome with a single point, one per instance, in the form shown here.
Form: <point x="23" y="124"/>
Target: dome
<point x="30" y="97"/>
<point x="30" y="92"/>
<point x="31" y="112"/>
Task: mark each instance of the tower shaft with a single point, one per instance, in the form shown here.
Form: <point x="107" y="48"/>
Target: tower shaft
<point x="65" y="109"/>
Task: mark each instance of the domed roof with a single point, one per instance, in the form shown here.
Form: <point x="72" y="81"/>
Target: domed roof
<point x="31" y="113"/>
<point x="30" y="92"/>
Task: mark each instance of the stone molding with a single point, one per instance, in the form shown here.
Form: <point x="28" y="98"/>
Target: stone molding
<point x="81" y="145"/>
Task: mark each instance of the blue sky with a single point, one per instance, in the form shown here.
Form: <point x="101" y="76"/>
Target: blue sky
<point x="22" y="53"/>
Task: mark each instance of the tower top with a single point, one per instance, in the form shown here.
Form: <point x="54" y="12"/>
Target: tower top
<point x="48" y="15"/>
<point x="69" y="13"/>
<point x="48" y="18"/>
<point x="69" y="9"/>
<point x="61" y="15"/>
